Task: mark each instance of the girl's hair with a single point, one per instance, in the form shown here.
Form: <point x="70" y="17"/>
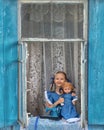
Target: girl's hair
<point x="52" y="79"/>
<point x="62" y="72"/>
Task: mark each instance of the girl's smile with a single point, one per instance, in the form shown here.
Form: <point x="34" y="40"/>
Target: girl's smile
<point x="59" y="79"/>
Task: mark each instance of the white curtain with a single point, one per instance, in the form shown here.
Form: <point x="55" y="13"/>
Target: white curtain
<point x="58" y="21"/>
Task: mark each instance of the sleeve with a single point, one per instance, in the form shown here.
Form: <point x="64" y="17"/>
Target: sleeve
<point x="74" y="98"/>
<point x="48" y="97"/>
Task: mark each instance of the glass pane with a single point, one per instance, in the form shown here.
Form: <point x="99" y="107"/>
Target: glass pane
<point x="52" y="20"/>
<point x="43" y="61"/>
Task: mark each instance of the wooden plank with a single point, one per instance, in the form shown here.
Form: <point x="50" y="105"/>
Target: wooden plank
<point x="1" y="67"/>
<point x="96" y="127"/>
<point x="10" y="61"/>
<point x="96" y="63"/>
<point x="14" y="127"/>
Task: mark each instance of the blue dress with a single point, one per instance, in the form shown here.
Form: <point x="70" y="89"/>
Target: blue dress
<point x="53" y="97"/>
<point x="68" y="109"/>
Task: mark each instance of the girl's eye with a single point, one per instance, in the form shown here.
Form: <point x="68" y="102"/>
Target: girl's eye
<point x="61" y="79"/>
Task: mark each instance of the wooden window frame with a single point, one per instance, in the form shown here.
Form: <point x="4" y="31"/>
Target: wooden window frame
<point x="83" y="42"/>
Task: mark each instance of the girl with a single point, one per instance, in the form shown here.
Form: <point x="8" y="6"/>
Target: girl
<point x="54" y="99"/>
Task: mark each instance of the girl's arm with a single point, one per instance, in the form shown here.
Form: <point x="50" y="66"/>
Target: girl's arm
<point x="48" y="105"/>
<point x="59" y="101"/>
<point x="74" y="99"/>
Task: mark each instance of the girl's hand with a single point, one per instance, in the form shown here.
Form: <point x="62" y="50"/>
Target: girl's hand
<point x="73" y="94"/>
<point x="74" y="102"/>
<point x="48" y="105"/>
<point x="61" y="100"/>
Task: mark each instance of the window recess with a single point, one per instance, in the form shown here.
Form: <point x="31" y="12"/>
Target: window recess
<point x="52" y="37"/>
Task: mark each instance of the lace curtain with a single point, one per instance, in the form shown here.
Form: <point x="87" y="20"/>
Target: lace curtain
<point x="58" y="21"/>
<point x="52" y="20"/>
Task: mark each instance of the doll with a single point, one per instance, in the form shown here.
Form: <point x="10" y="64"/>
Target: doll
<point x="68" y="110"/>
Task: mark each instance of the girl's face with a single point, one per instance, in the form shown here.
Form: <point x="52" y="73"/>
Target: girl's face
<point x="59" y="79"/>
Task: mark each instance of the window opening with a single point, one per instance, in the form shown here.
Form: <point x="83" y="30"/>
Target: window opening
<point x="52" y="38"/>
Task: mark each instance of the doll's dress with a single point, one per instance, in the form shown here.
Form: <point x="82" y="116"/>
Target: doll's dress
<point x="68" y="110"/>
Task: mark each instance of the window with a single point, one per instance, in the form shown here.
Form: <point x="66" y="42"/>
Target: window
<point x="52" y="37"/>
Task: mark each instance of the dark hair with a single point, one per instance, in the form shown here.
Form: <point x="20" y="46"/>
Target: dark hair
<point x="52" y="79"/>
<point x="62" y="72"/>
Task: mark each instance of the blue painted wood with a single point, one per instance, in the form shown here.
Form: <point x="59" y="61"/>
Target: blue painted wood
<point x="1" y="67"/>
<point x="14" y="127"/>
<point x="10" y="60"/>
<point x="96" y="127"/>
<point x="96" y="63"/>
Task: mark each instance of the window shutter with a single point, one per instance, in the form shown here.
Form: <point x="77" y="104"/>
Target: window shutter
<point x="96" y="63"/>
<point x="1" y="68"/>
<point x="8" y="63"/>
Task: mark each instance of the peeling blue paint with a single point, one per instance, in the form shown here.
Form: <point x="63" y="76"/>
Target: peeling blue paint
<point x="96" y="65"/>
<point x="9" y="72"/>
<point x="1" y="67"/>
<point x="8" y="64"/>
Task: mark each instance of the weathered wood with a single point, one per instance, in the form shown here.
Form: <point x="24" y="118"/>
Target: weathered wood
<point x="8" y="62"/>
<point x="96" y="63"/>
<point x="1" y="67"/>
<point x="96" y="127"/>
